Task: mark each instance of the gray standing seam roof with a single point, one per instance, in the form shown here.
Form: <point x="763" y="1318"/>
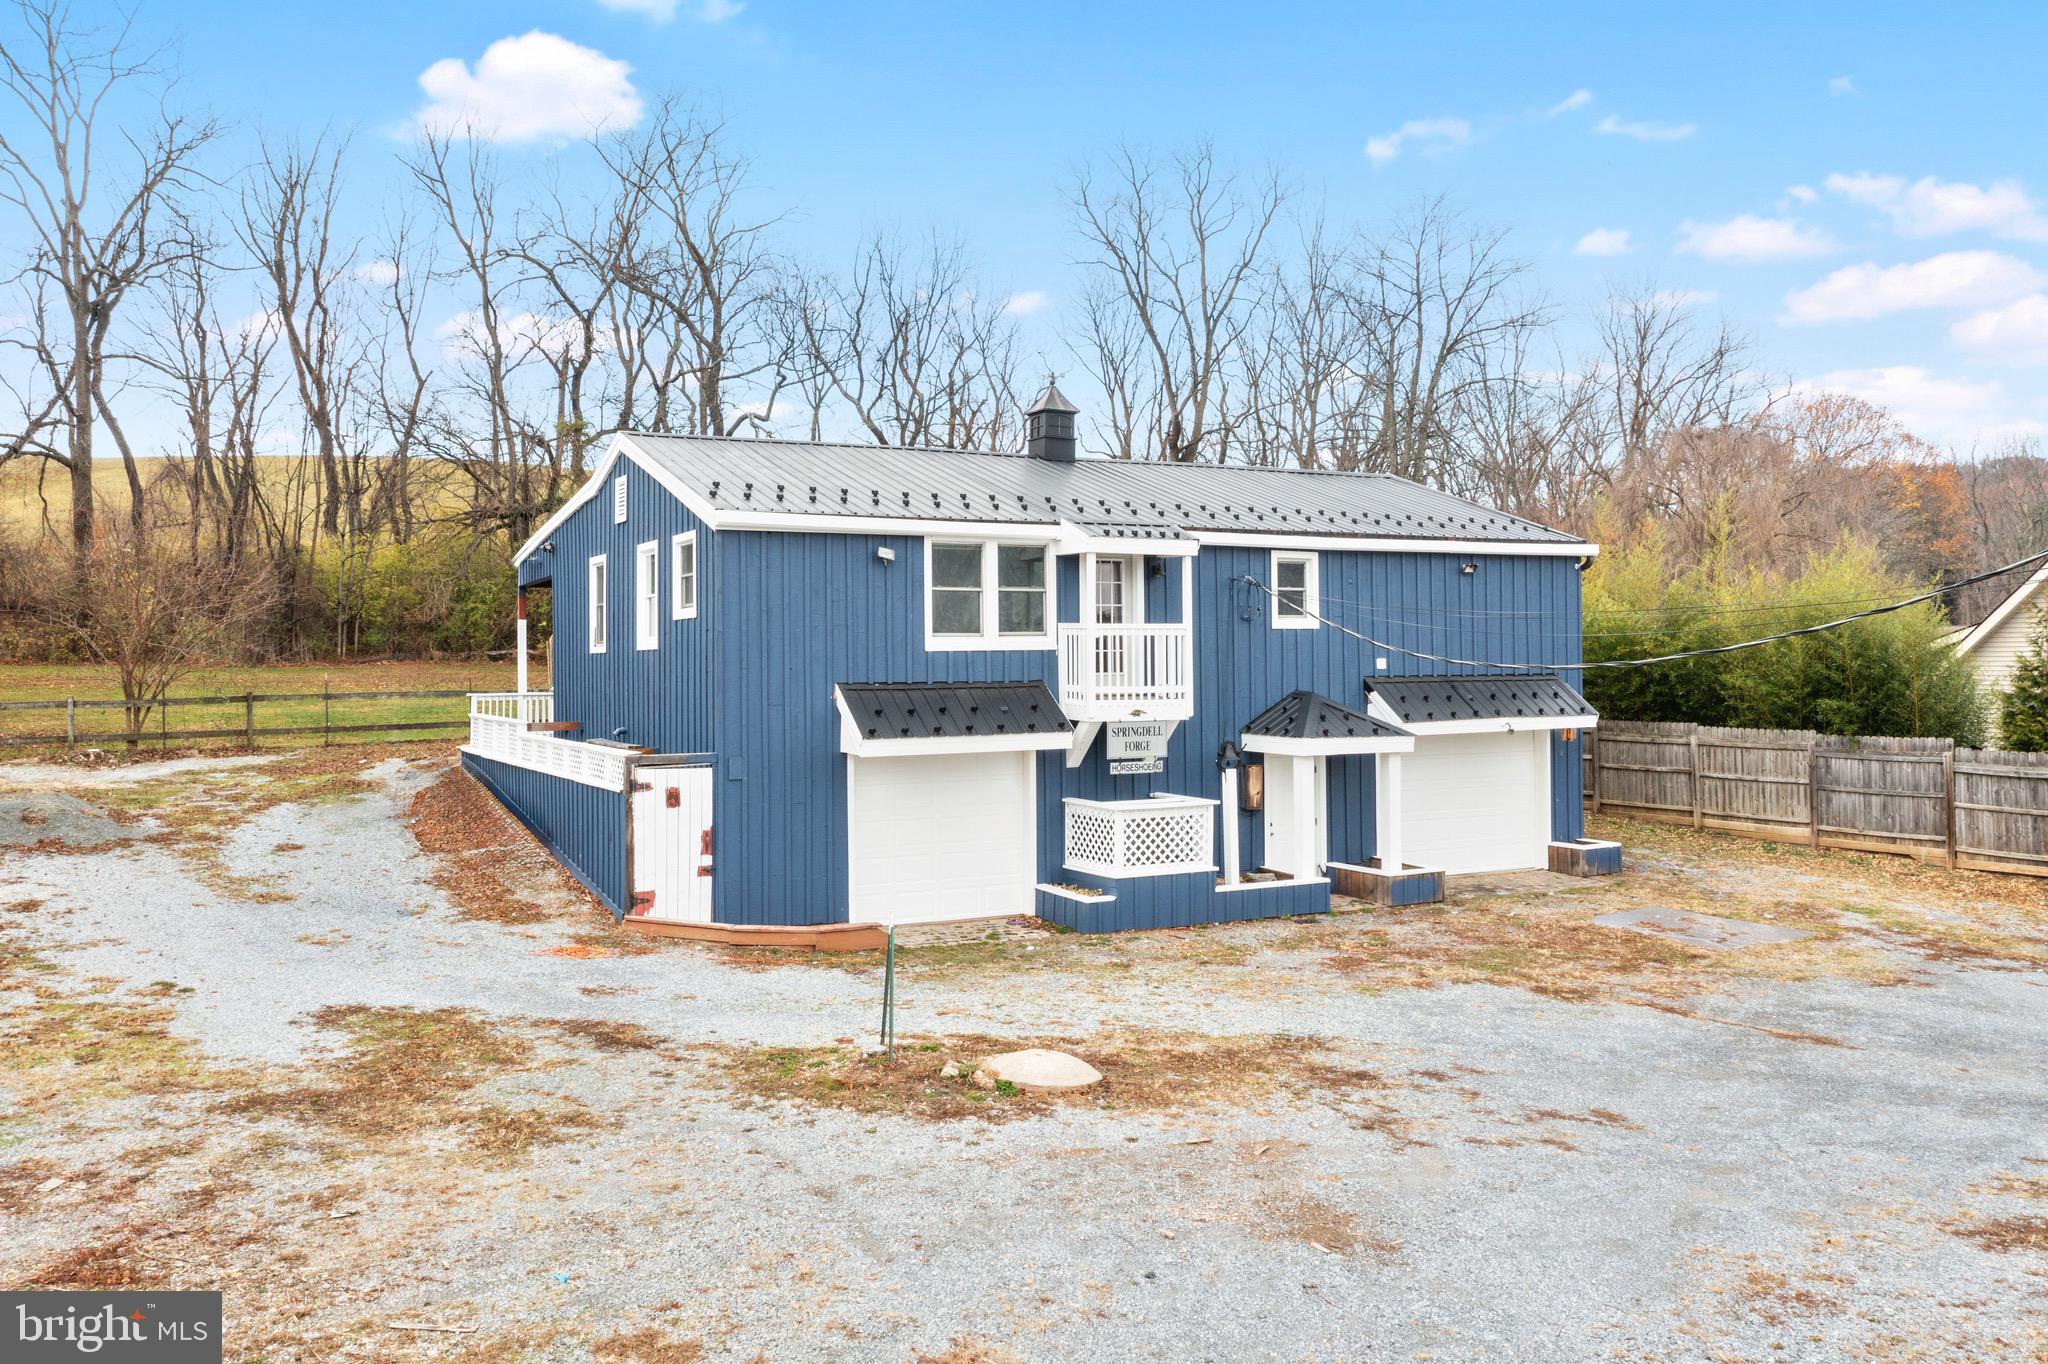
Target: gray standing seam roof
<point x="814" y="479"/>
<point x="953" y="710"/>
<point x="1308" y="715"/>
<point x="1488" y="696"/>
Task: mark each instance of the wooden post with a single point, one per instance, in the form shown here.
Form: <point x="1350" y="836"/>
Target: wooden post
<point x="1591" y="739"/>
<point x="326" y="712"/>
<point x="1230" y="817"/>
<point x="1948" y="806"/>
<point x="249" y="718"/>
<point x="1813" y="793"/>
<point x="1692" y="744"/>
<point x="70" y="723"/>
<point x="519" y="618"/>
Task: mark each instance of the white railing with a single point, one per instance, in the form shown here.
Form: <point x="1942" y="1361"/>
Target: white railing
<point x="1110" y="671"/>
<point x="1162" y="836"/>
<point x="498" y="730"/>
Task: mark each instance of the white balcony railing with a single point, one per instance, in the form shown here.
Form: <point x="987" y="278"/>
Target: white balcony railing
<point x="497" y="730"/>
<point x="1110" y="672"/>
<point x="1162" y="836"/>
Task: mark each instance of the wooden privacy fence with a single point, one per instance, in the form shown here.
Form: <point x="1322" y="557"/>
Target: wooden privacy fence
<point x="1983" y="809"/>
<point x="227" y="717"/>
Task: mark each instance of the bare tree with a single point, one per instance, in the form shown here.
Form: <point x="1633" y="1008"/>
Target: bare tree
<point x="91" y="255"/>
<point x="1663" y="372"/>
<point x="1176" y="249"/>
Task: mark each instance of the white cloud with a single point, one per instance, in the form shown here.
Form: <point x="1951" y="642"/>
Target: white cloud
<point x="1430" y="136"/>
<point x="1930" y="208"/>
<point x="1955" y="279"/>
<point x="1804" y="194"/>
<point x="382" y="273"/>
<point x="1643" y="131"/>
<point x="519" y="334"/>
<point x="1841" y="85"/>
<point x="1603" y="241"/>
<point x="528" y="88"/>
<point x="1577" y="99"/>
<point x="1026" y="302"/>
<point x="1932" y="407"/>
<point x="1747" y="237"/>
<point x="2016" y="334"/>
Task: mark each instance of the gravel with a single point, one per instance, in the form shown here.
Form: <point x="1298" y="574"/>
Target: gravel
<point x="1562" y="1181"/>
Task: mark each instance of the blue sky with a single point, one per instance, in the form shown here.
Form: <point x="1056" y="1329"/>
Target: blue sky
<point x="1861" y="187"/>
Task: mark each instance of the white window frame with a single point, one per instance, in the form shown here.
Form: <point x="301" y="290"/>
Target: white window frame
<point x="619" y="500"/>
<point x="678" y="608"/>
<point x="647" y="595"/>
<point x="597" y="603"/>
<point x="991" y="637"/>
<point x="1312" y="593"/>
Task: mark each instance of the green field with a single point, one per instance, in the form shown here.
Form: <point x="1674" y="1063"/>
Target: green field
<point x="57" y="682"/>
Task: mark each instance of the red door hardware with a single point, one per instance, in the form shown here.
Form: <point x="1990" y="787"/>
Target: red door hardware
<point x="642" y="902"/>
<point x="674" y="799"/>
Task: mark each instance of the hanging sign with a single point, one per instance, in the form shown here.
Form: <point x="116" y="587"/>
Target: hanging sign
<point x="1137" y="740"/>
<point x="1140" y="767"/>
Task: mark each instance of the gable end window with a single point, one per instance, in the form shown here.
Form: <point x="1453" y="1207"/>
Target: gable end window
<point x="986" y="595"/>
<point x="1297" y="596"/>
<point x="647" y="595"/>
<point x="619" y="500"/>
<point x="597" y="602"/>
<point x="682" y="561"/>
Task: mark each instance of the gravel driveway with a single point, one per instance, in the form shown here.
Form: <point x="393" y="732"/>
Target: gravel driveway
<point x="280" y="1049"/>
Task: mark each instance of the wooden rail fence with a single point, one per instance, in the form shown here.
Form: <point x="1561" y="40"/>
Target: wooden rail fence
<point x="1977" y="808"/>
<point x="156" y="729"/>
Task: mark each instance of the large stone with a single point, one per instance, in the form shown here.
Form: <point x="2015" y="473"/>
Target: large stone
<point x="1037" y="1068"/>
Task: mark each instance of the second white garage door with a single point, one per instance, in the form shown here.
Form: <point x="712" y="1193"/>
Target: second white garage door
<point x="945" y="837"/>
<point x="1477" y="802"/>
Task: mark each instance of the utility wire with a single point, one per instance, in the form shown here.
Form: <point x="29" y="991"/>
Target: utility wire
<point x="1660" y="658"/>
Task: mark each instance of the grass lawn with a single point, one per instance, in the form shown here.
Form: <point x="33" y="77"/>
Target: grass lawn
<point x="56" y="682"/>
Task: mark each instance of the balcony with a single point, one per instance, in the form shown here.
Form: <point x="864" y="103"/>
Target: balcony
<point x="1126" y="672"/>
<point x="499" y="729"/>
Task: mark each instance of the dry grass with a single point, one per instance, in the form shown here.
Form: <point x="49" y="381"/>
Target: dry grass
<point x="2004" y="1234"/>
<point x="65" y="1051"/>
<point x="971" y="1349"/>
<point x="1162" y="1073"/>
<point x="1773" y="1297"/>
<point x="646" y="1346"/>
<point x="485" y="860"/>
<point x="1312" y="1222"/>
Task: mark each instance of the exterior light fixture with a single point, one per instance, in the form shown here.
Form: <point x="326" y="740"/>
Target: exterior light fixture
<point x="886" y="554"/>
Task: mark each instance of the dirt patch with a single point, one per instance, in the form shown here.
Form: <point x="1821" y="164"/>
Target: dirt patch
<point x="646" y="1346"/>
<point x="484" y="858"/>
<point x="2004" y="1234"/>
<point x="407" y="1072"/>
<point x="606" y="1035"/>
<point x="971" y="1349"/>
<point x="1312" y="1222"/>
<point x="1163" y="1073"/>
<point x="1773" y="1297"/>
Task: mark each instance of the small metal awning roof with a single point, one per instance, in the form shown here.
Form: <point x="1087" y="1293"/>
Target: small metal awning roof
<point x="1305" y="723"/>
<point x="1484" y="704"/>
<point x="878" y="719"/>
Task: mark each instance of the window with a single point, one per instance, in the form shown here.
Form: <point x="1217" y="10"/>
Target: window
<point x="598" y="597"/>
<point x="1020" y="589"/>
<point x="1296" y="599"/>
<point x="986" y="595"/>
<point x="1109" y="591"/>
<point x="682" y="562"/>
<point x="647" y="595"/>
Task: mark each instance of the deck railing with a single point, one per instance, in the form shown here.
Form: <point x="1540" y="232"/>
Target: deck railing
<point x="1161" y="836"/>
<point x="1110" y="671"/>
<point x="498" y="730"/>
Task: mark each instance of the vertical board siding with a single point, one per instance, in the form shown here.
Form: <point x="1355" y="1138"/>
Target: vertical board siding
<point x="583" y="826"/>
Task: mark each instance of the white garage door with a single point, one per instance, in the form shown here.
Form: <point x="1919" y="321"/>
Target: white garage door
<point x="941" y="837"/>
<point x="1477" y="802"/>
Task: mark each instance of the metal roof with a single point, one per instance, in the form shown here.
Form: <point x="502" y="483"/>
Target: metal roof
<point x="1052" y="400"/>
<point x="741" y="474"/>
<point x="952" y="710"/>
<point x="1307" y="715"/>
<point x="1433" y="700"/>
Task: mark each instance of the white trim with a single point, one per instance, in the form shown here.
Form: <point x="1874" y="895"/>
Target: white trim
<point x="991" y="639"/>
<point x="852" y="741"/>
<point x="620" y="448"/>
<point x="1317" y="748"/>
<point x="1031" y="881"/>
<point x="1078" y="541"/>
<point x="1048" y="888"/>
<point x="1278" y="883"/>
<point x="647" y="595"/>
<point x="1312" y="590"/>
<point x="1377" y="707"/>
<point x="597" y="612"/>
<point x="1982" y="630"/>
<point x="676" y="544"/>
<point x="1083" y="736"/>
<point x="619" y="500"/>
<point x="1387" y="544"/>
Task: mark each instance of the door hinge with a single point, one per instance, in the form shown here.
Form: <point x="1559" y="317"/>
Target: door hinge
<point x="640" y="902"/>
<point x="674" y="799"/>
<point x="643" y="786"/>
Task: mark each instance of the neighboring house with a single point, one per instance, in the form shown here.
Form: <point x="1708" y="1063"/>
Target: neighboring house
<point x="1995" y="644"/>
<point x="804" y="684"/>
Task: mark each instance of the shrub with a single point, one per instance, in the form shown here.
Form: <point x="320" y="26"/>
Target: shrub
<point x="2023" y="706"/>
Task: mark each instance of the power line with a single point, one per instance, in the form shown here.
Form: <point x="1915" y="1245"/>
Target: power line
<point x="1660" y="658"/>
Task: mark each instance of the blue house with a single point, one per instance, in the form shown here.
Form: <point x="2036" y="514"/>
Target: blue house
<point x="810" y="684"/>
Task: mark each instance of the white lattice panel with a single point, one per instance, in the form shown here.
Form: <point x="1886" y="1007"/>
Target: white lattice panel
<point x="1163" y="836"/>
